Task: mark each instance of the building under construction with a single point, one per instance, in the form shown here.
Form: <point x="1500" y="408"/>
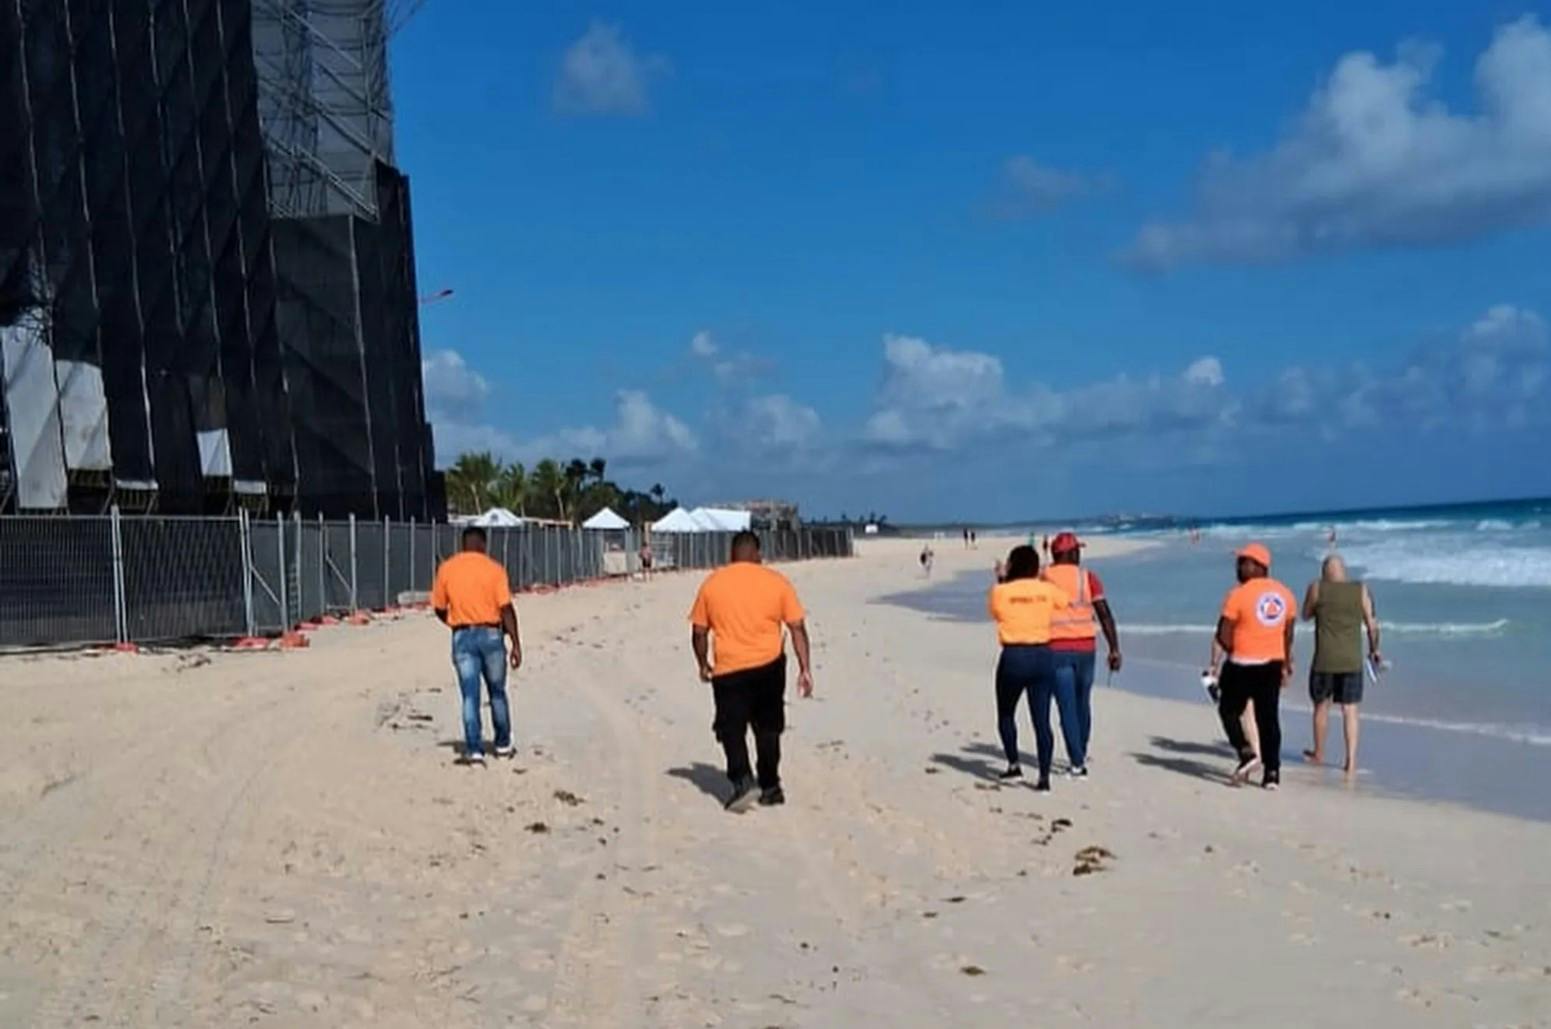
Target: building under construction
<point x="207" y="286"/>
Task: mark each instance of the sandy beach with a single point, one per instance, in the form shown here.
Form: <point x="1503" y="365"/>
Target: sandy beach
<point x="201" y="838"/>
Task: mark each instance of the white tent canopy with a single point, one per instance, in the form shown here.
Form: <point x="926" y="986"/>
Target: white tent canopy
<point x="606" y="520"/>
<point x="721" y="519"/>
<point x="677" y="520"/>
<point x="497" y="518"/>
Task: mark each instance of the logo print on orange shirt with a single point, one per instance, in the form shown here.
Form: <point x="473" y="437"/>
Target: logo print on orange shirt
<point x="1270" y="609"/>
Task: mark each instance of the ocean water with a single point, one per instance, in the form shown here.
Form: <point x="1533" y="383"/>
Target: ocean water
<point x="1464" y="597"/>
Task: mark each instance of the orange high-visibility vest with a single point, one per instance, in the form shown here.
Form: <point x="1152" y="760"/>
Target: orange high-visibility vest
<point x="1076" y="622"/>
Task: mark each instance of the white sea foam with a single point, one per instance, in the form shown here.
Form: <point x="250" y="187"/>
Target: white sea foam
<point x="1439" y="561"/>
<point x="1493" y="628"/>
<point x="1494" y="525"/>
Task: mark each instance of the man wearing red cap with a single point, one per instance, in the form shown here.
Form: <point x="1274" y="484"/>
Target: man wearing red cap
<point x="1074" y="647"/>
<point x="1255" y="630"/>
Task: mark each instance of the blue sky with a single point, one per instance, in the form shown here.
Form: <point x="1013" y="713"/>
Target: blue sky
<point x="991" y="261"/>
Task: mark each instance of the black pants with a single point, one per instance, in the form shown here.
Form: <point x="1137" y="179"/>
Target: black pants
<point x="1263" y="684"/>
<point x="754" y="698"/>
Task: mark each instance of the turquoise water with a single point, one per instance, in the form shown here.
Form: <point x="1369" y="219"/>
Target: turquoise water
<point x="1463" y="593"/>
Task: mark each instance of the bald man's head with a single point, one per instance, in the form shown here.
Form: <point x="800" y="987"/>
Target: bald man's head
<point x="1334" y="569"/>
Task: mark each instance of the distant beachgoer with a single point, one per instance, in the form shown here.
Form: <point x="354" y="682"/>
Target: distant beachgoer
<point x="966" y="537"/>
<point x="1330" y="538"/>
<point x="472" y="596"/>
<point x="1074" y="646"/>
<point x="974" y="539"/>
<point x="1022" y="604"/>
<point x="926" y="560"/>
<point x="1044" y="547"/>
<point x="1255" y="630"/>
<point x="646" y="560"/>
<point x="1339" y="609"/>
<point x="741" y="610"/>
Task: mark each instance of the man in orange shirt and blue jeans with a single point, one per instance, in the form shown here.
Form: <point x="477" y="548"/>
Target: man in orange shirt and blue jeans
<point x="473" y="598"/>
<point x="1255" y="630"/>
<point x="742" y="609"/>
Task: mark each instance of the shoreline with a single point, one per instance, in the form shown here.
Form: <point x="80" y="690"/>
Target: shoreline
<point x="283" y="839"/>
<point x="1477" y="767"/>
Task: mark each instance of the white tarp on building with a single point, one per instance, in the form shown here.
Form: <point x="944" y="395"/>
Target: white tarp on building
<point x="721" y="519"/>
<point x="497" y="518"/>
<point x="606" y="520"/>
<point x="677" y="520"/>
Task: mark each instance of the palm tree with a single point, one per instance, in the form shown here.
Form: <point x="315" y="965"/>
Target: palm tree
<point x="472" y="480"/>
<point x="576" y="472"/>
<point x="511" y="488"/>
<point x="597" y="467"/>
<point x="547" y="485"/>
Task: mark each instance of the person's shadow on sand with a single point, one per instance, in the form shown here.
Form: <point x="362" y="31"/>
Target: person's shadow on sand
<point x="975" y="767"/>
<point x="1184" y="765"/>
<point x="711" y="781"/>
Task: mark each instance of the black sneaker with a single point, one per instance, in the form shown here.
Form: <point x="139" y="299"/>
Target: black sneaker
<point x="773" y="797"/>
<point x="1272" y="779"/>
<point x="1013" y="772"/>
<point x="744" y="793"/>
<point x="1043" y="786"/>
<point x="1080" y="772"/>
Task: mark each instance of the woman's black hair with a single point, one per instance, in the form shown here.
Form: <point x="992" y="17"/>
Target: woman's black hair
<point x="1022" y="563"/>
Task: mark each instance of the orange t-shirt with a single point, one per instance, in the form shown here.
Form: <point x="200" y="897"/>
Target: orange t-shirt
<point x="472" y="589"/>
<point x="1259" y="610"/>
<point x="1022" y="609"/>
<point x="745" y="605"/>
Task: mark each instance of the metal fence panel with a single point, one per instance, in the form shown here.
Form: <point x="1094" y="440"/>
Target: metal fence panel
<point x="311" y="570"/>
<point x="400" y="572"/>
<point x="183" y="578"/>
<point x="56" y="581"/>
<point x="339" y="580"/>
<point x="370" y="567"/>
<point x="81" y="580"/>
<point x="264" y="549"/>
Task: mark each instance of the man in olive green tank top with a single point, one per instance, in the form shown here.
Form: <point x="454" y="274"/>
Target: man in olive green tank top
<point x="1340" y="610"/>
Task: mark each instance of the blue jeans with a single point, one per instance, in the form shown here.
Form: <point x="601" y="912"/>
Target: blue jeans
<point x="476" y="651"/>
<point x="1025" y="669"/>
<point x="1074" y="699"/>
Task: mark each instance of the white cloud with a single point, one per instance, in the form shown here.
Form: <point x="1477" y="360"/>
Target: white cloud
<point x="1205" y="371"/>
<point x="702" y="345"/>
<point x="642" y="434"/>
<point x="1496" y="372"/>
<point x="450" y="384"/>
<point x="778" y="421"/>
<point x="602" y="74"/>
<point x="1030" y="188"/>
<point x="936" y="398"/>
<point x="1373" y="161"/>
<point x="728" y="367"/>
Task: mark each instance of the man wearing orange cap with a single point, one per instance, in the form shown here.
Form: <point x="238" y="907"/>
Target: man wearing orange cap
<point x="1255" y="630"/>
<point x="1074" y="645"/>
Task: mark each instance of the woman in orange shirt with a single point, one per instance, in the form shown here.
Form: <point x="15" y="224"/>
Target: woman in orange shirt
<point x="1021" y="604"/>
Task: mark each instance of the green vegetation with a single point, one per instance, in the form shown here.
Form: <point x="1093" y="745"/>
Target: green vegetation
<point x="570" y="492"/>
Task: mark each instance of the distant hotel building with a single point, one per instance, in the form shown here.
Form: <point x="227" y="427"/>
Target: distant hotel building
<point x="207" y="286"/>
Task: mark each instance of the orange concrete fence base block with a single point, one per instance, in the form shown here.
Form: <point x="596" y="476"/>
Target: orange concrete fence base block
<point x="293" y="641"/>
<point x="359" y="618"/>
<point x="251" y="643"/>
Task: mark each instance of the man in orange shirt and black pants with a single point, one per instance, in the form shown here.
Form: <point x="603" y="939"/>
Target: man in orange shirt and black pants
<point x="742" y="608"/>
<point x="473" y="597"/>
<point x="1255" y="630"/>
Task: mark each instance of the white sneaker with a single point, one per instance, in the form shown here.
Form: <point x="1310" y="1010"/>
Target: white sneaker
<point x="476" y="758"/>
<point x="506" y="751"/>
